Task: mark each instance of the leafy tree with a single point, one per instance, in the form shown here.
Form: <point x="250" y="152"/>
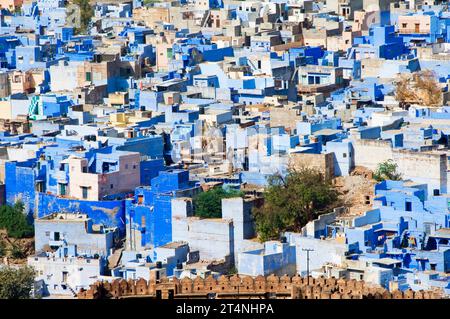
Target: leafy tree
<point x="209" y="204"/>
<point x="292" y="201"/>
<point x="17" y="252"/>
<point x="86" y="13"/>
<point x="14" y="221"/>
<point x="2" y="249"/>
<point x="387" y="170"/>
<point x="233" y="271"/>
<point x="16" y="283"/>
<point x="147" y="2"/>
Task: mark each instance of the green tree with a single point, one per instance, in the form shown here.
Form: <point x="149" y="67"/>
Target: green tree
<point x="86" y="13"/>
<point x="14" y="221"/>
<point x="233" y="271"/>
<point x="16" y="283"/>
<point x="387" y="170"/>
<point x="147" y="2"/>
<point x="17" y="252"/>
<point x="209" y="204"/>
<point x="2" y="249"/>
<point x="292" y="201"/>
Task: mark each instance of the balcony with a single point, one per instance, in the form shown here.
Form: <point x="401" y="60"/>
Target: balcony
<point x="317" y="88"/>
<point x="55" y="243"/>
<point x="413" y="31"/>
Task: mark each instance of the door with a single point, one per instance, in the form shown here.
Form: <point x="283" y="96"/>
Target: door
<point x="84" y="192"/>
<point x="64" y="276"/>
<point x="62" y="189"/>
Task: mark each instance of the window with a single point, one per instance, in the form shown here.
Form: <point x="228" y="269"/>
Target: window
<point x="344" y="155"/>
<point x="62" y="189"/>
<point x="84" y="192"/>
<point x="56" y="236"/>
<point x="40" y="187"/>
<point x="408" y="206"/>
<point x="105" y="167"/>
<point x="435" y="192"/>
<point x="124" y="71"/>
<point x="404" y="25"/>
<point x="88" y="76"/>
<point x="64" y="276"/>
<point x="111" y="186"/>
<point x="47" y="234"/>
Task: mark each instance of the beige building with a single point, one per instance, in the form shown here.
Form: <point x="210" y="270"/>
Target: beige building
<point x="21" y="82"/>
<point x="4" y="85"/>
<point x="152" y="15"/>
<point x="414" y="24"/>
<point x="118" y="176"/>
<point x="322" y="162"/>
<point x="11" y="5"/>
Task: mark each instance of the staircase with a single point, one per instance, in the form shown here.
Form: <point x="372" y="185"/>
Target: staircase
<point x="114" y="259"/>
<point x="294" y="74"/>
<point x="137" y="100"/>
<point x="33" y="109"/>
<point x="255" y="70"/>
<point x="71" y="290"/>
<point x="205" y="19"/>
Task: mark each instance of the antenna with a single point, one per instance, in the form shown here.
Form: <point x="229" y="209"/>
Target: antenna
<point x="307" y="261"/>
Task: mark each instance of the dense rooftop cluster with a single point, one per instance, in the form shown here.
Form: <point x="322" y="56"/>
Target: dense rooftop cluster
<point x="114" y="116"/>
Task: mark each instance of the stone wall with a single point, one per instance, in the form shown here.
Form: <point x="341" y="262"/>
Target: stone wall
<point x="322" y="162"/>
<point x="236" y="287"/>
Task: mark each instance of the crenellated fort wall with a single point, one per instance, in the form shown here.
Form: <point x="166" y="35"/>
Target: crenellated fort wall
<point x="236" y="287"/>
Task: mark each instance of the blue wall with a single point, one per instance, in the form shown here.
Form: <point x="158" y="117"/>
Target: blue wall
<point x="109" y="213"/>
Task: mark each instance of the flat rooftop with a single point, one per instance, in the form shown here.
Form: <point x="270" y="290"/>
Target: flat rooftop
<point x="66" y="217"/>
<point x="173" y="245"/>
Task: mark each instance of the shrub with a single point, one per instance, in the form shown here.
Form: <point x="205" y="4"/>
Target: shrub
<point x="387" y="171"/>
<point x="17" y="252"/>
<point x="209" y="204"/>
<point x="14" y="221"/>
<point x="292" y="201"/>
<point x="16" y="283"/>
